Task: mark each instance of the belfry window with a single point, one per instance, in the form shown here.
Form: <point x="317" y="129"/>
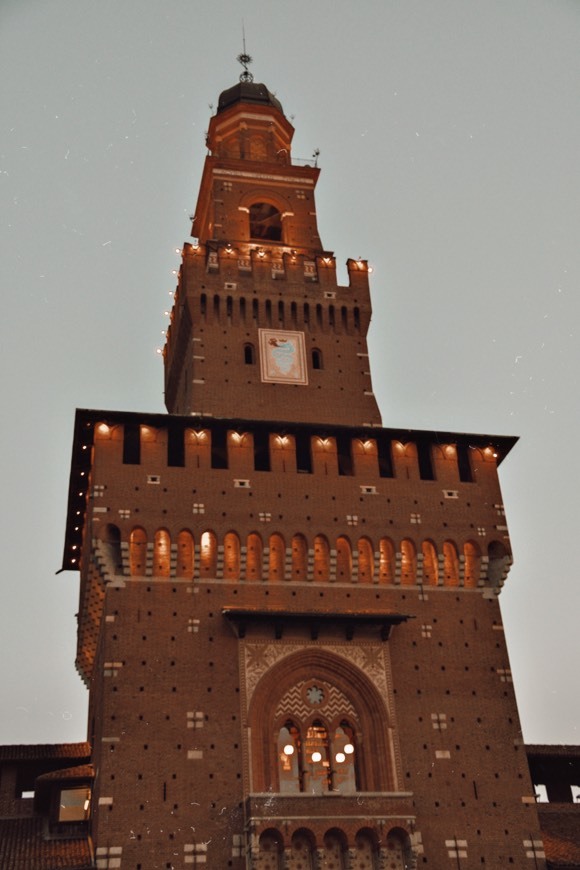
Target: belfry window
<point x="265" y="222"/>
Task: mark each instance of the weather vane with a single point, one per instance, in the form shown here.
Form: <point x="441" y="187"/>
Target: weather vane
<point x="245" y="59"/>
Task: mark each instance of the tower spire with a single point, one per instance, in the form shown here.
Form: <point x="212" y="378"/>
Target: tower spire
<point x="245" y="59"/>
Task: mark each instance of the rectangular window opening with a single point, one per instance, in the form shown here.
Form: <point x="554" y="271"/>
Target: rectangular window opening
<point x="385" y="455"/>
<point x="131" y="444"/>
<point x="74" y="804"/>
<point x="175" y="447"/>
<point x="463" y="463"/>
<point x="261" y="451"/>
<point x="219" y="451"/>
<point x="303" y="453"/>
<point x="343" y="446"/>
<point x="425" y="461"/>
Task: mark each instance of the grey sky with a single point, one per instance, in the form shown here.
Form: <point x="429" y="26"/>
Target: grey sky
<point x="449" y="134"/>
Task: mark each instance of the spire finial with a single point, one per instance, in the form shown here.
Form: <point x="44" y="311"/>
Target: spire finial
<point x="245" y="60"/>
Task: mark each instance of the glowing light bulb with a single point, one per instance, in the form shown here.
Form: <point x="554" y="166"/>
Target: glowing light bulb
<point x="340" y="757"/>
<point x="288" y="749"/>
<point x="316" y="756"/>
<point x="349" y="749"/>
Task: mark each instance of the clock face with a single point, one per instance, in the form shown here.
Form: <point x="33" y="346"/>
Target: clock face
<point x="315" y="695"/>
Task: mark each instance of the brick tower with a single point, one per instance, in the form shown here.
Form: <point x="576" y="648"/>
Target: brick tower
<point x="289" y="618"/>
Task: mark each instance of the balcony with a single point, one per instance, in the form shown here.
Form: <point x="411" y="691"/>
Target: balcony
<point x="371" y="808"/>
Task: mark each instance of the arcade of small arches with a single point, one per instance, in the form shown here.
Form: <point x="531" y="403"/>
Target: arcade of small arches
<point x="273" y="559"/>
<point x="332" y="851"/>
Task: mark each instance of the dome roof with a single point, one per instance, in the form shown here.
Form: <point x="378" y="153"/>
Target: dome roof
<point x="248" y="92"/>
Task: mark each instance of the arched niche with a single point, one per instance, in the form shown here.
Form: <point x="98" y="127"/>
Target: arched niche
<point x="430" y="563"/>
<point x="231" y="556"/>
<point x="138" y="552"/>
<point x="185" y="554"/>
<point x="162" y="553"/>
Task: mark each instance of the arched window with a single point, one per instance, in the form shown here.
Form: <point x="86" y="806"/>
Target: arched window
<point x="321" y="558"/>
<point x="270" y="850"/>
<point x="290" y="759"/>
<point x="137" y="552"/>
<point x="249" y="354"/>
<point x="343" y="760"/>
<point x="430" y="564"/>
<point x="299" y="557"/>
<point x="316" y="759"/>
<point x="208" y="555"/>
<point x="472" y="569"/>
<point x="162" y="554"/>
<point x="316" y="358"/>
<point x="331" y="715"/>
<point x="231" y="556"/>
<point x="386" y="561"/>
<point x="408" y="563"/>
<point x="265" y="222"/>
<point x="450" y="564"/>
<point x="277" y="559"/>
<point x="185" y="554"/>
<point x="343" y="559"/>
<point x="254" y="557"/>
<point x="335" y="850"/>
<point x="366" y="561"/>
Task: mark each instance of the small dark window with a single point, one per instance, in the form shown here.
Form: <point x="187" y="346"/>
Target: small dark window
<point x="175" y="447"/>
<point x="316" y="358"/>
<point x="131" y="444"/>
<point x="219" y="452"/>
<point x="463" y="463"/>
<point x="343" y="444"/>
<point x="249" y="354"/>
<point x="261" y="451"/>
<point x="303" y="453"/>
<point x="385" y="455"/>
<point x="265" y="222"/>
<point x="425" y="461"/>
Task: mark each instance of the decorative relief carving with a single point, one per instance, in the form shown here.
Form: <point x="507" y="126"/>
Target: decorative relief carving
<point x="334" y="703"/>
<point x="370" y="658"/>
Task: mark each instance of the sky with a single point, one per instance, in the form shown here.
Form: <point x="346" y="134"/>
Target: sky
<point x="449" y="136"/>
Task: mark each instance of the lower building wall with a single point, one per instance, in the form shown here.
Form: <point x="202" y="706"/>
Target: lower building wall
<point x="181" y="780"/>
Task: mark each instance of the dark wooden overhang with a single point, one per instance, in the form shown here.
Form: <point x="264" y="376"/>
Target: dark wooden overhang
<point x="280" y="620"/>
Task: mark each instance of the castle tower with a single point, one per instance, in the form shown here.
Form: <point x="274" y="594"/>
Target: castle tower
<point x="289" y="619"/>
